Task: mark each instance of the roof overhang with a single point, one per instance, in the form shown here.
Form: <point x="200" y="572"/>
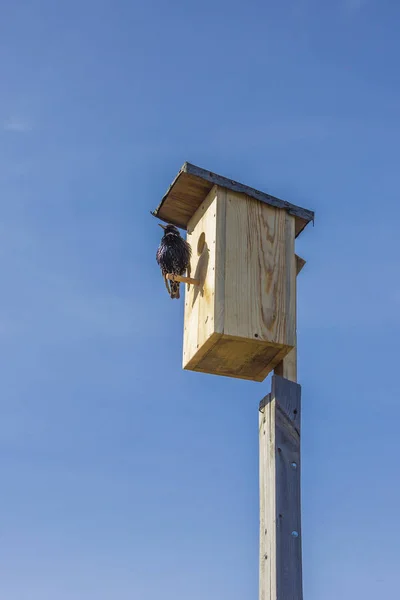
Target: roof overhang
<point x="191" y="186"/>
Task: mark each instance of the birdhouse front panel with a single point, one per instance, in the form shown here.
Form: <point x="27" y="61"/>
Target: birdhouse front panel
<point x="240" y="320"/>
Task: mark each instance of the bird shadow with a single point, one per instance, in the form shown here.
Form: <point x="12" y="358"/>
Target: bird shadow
<point x="201" y="272"/>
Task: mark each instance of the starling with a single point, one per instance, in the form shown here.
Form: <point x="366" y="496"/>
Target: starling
<point x="173" y="256"/>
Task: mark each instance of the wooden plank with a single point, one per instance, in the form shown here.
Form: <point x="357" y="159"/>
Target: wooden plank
<point x="267" y="562"/>
<point x="260" y="272"/>
<point x="235" y="186"/>
<point x="290" y="284"/>
<point x="287" y="368"/>
<point x="239" y="358"/>
<point x="220" y="249"/>
<point x="191" y="186"/>
<point x="199" y="300"/>
<point x="280" y="502"/>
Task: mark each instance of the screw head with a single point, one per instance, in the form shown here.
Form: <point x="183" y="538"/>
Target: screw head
<point x="295" y="534"/>
<point x="293" y="465"/>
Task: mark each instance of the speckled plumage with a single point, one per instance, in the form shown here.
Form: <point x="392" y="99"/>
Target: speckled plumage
<point x="173" y="256"/>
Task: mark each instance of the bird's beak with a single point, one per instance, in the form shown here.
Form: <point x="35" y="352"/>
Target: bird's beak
<point x="163" y="226"/>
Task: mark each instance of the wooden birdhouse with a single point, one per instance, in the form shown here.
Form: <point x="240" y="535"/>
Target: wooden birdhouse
<point x="240" y="317"/>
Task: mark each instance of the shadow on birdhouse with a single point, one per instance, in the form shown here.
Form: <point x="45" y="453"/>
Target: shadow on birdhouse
<point x="201" y="269"/>
<point x="240" y="320"/>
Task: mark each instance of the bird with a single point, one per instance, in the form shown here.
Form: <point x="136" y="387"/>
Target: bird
<point x="173" y="256"/>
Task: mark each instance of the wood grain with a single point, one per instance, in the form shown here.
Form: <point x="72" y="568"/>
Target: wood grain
<point x="287" y="368"/>
<point x="193" y="184"/>
<point x="259" y="272"/>
<point x="199" y="319"/>
<point x="240" y="320"/>
<point x="220" y="260"/>
<point x="238" y="357"/>
<point x="280" y="503"/>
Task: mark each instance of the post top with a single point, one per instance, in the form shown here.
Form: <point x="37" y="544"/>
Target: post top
<point x="191" y="186"/>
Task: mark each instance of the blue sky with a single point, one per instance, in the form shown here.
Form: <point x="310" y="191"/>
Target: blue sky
<point x="123" y="476"/>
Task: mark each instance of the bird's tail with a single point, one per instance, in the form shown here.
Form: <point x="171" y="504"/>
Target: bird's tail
<point x="174" y="289"/>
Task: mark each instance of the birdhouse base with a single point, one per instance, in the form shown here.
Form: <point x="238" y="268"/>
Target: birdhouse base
<point x="233" y="356"/>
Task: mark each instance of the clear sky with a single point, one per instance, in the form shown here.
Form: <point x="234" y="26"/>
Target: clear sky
<point x="122" y="476"/>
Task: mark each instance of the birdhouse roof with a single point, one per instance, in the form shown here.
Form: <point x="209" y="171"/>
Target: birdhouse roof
<point x="191" y="186"/>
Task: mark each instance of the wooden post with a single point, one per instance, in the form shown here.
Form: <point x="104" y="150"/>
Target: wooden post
<point x="280" y="508"/>
<point x="280" y="513"/>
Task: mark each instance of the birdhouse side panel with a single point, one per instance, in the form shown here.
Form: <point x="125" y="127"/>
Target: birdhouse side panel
<point x="200" y="315"/>
<point x="260" y="271"/>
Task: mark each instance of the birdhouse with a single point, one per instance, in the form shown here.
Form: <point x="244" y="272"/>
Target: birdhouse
<point x="240" y="314"/>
